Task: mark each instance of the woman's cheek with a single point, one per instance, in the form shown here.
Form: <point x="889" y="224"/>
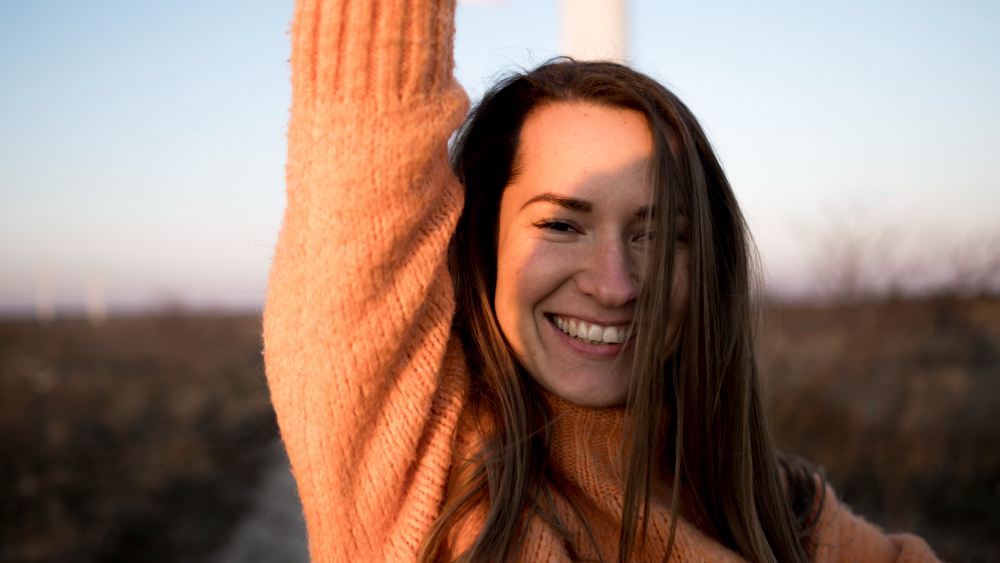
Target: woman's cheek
<point x="516" y="289"/>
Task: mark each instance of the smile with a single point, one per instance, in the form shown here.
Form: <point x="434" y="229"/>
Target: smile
<point x="591" y="333"/>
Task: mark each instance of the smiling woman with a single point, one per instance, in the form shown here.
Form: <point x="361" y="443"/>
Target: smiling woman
<point x="558" y="367"/>
<point x="573" y="227"/>
<point x="594" y="197"/>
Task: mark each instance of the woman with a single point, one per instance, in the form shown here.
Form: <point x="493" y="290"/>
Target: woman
<point x="559" y="368"/>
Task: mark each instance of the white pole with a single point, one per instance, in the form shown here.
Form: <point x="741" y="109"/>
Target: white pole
<point x="595" y="30"/>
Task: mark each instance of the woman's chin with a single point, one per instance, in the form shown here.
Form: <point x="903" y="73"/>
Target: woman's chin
<point x="595" y="391"/>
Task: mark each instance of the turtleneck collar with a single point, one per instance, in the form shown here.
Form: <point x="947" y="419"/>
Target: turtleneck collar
<point x="587" y="444"/>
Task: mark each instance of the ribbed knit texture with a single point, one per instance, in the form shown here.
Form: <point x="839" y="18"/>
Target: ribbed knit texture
<point x="366" y="378"/>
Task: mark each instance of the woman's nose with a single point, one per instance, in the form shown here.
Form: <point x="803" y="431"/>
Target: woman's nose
<point x="609" y="275"/>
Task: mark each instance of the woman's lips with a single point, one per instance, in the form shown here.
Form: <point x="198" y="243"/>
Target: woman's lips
<point x="602" y="351"/>
<point x="593" y="332"/>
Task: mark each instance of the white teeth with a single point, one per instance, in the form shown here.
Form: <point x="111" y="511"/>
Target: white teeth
<point x="595" y="333"/>
<point x="591" y="333"/>
<point x="610" y="334"/>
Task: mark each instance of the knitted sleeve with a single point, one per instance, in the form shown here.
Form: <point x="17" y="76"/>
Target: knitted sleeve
<point x="364" y="376"/>
<point x="841" y="536"/>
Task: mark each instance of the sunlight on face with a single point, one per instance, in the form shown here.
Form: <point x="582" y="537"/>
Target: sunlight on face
<point x="572" y="229"/>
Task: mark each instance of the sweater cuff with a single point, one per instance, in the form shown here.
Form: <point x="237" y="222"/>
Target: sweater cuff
<point x="372" y="51"/>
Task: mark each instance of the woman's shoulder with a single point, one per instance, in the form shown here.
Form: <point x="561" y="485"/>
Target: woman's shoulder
<point x="840" y="535"/>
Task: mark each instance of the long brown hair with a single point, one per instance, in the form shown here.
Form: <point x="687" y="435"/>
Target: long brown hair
<point x="717" y="440"/>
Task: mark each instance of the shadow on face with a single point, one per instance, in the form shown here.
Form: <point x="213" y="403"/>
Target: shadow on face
<point x="574" y="224"/>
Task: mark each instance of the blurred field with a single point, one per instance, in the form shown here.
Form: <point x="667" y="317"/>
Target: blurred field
<point x="139" y="440"/>
<point x="898" y="401"/>
<point x="142" y="439"/>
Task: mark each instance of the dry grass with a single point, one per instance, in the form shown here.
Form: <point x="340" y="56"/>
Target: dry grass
<point x="132" y="441"/>
<point x="137" y="440"/>
<point x="898" y="401"/>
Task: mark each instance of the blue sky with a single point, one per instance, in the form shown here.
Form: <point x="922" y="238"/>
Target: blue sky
<point x="143" y="143"/>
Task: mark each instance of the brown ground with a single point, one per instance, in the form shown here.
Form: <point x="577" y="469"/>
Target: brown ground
<point x="898" y="402"/>
<point x="140" y="440"/>
<point x="134" y="441"/>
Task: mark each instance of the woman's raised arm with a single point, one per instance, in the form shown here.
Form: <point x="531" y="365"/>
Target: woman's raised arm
<point x="364" y="379"/>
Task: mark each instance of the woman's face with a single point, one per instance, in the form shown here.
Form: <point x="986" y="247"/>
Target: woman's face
<point x="573" y="227"/>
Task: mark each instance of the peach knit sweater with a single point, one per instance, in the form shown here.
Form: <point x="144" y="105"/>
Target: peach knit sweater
<point x="365" y="375"/>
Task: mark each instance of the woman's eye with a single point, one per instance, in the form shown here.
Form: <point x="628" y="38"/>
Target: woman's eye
<point x="557" y="226"/>
<point x="649" y="236"/>
<point x="645" y="236"/>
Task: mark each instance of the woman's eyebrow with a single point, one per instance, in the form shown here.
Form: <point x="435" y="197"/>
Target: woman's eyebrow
<point x="582" y="205"/>
<point x="570" y="203"/>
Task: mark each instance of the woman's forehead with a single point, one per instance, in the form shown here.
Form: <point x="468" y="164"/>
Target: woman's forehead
<point x="584" y="151"/>
<point x="588" y="135"/>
